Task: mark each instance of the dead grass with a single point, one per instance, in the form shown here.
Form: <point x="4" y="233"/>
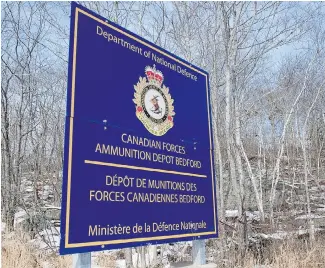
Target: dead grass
<point x="287" y="254"/>
<point x="104" y="259"/>
<point x="60" y="261"/>
<point x="16" y="253"/>
<point x="299" y="254"/>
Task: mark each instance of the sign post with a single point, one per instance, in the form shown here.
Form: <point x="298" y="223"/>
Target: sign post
<point x="198" y="252"/>
<point x="138" y="161"/>
<point x="81" y="260"/>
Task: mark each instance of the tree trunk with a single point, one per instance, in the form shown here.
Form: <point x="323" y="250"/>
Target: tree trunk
<point x="276" y="170"/>
<point x="143" y="256"/>
<point x="128" y="258"/>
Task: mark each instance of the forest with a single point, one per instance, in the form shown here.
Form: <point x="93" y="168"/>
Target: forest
<point x="266" y="63"/>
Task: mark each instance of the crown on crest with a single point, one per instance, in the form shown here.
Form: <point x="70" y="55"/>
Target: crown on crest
<point x="153" y="75"/>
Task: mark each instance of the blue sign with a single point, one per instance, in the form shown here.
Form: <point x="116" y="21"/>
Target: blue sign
<point x="138" y="157"/>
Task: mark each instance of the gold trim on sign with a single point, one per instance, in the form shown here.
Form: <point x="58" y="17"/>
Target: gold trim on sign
<point x="71" y="127"/>
<point x="144" y="168"/>
<point x="100" y="243"/>
<point x="212" y="173"/>
<point x="73" y="245"/>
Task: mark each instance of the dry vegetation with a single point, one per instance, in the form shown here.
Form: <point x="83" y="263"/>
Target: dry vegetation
<point x="291" y="253"/>
<point x="295" y="253"/>
<point x="17" y="252"/>
<point x="60" y="261"/>
<point x="299" y="255"/>
<point x="106" y="260"/>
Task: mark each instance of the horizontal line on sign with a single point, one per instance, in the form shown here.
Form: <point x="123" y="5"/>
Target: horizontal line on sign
<point x="144" y="168"/>
<point x="143" y="239"/>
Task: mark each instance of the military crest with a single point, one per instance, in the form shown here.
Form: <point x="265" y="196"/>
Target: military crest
<point x="154" y="105"/>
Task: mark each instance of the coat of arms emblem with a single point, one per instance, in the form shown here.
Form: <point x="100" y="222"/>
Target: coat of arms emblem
<point x="154" y="105"/>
